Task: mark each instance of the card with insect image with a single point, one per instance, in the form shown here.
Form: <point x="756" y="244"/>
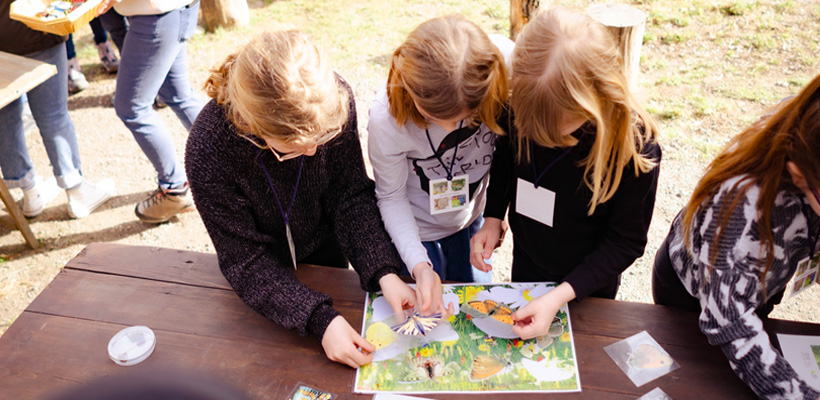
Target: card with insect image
<point x="641" y="358"/>
<point x="305" y="392"/>
<point x="474" y="350"/>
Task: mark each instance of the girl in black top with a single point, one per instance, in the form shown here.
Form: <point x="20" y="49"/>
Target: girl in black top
<point x="578" y="170"/>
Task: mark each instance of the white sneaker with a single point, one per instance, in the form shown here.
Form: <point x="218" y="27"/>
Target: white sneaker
<point x="87" y="196"/>
<point x="36" y="197"/>
<point x="76" y="79"/>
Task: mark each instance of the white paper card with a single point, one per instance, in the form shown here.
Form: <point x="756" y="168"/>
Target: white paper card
<point x="655" y="394"/>
<point x="452" y="195"/>
<point x="803" y="353"/>
<point x="535" y="203"/>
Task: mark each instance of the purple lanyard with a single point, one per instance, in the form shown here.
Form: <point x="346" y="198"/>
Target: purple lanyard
<point x="455" y="151"/>
<point x="541" y="175"/>
<point x="285" y="215"/>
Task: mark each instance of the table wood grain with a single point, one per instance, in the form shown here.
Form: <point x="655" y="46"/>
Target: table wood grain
<point x="201" y="326"/>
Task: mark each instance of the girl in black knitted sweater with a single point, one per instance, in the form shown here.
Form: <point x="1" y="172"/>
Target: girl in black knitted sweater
<point x="277" y="174"/>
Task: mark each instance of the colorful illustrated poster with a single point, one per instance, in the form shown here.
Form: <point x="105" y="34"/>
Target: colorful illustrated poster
<point x="803" y="353"/>
<point x="475" y="350"/>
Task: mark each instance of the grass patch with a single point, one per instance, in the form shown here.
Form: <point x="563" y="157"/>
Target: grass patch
<point x="703" y="105"/>
<point x="737" y="8"/>
<point x="665" y="109"/>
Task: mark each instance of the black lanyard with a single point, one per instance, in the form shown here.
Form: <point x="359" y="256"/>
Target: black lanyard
<point x="455" y="151"/>
<point x="286" y="215"/>
<point x="535" y="173"/>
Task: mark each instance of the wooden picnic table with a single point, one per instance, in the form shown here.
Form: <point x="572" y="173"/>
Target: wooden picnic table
<point x="60" y="340"/>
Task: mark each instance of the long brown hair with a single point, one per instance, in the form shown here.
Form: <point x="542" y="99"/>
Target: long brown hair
<point x="791" y="132"/>
<point x="448" y="65"/>
<point x="567" y="64"/>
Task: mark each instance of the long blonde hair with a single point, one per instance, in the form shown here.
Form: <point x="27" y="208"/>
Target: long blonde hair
<point x="280" y="86"/>
<point x="759" y="154"/>
<point x="566" y="64"/>
<point x="447" y="65"/>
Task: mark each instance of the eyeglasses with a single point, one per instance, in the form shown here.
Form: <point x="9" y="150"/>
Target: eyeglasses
<point x="327" y="137"/>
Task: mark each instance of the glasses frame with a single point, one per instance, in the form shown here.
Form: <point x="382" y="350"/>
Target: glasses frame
<point x="324" y="139"/>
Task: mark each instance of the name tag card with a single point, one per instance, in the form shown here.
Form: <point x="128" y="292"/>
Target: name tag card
<point x="452" y="195"/>
<point x="535" y="203"/>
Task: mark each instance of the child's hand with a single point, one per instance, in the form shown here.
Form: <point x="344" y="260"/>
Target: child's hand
<point x="344" y="345"/>
<point x="487" y="239"/>
<point x="428" y="291"/>
<point x="398" y="295"/>
<point x="534" y="319"/>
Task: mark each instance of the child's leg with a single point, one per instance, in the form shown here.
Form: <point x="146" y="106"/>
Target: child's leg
<point x="99" y="33"/>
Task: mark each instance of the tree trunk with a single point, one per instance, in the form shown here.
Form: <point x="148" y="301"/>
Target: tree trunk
<point x="224" y="13"/>
<point x="520" y="13"/>
<point x="628" y="25"/>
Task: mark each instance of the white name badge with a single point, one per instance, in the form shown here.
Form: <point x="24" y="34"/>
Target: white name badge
<point x="537" y="204"/>
<point x="805" y="275"/>
<point x="452" y="195"/>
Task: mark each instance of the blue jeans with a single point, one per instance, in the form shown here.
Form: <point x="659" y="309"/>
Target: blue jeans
<point x="451" y="256"/>
<point x="49" y="106"/>
<point x="153" y="62"/>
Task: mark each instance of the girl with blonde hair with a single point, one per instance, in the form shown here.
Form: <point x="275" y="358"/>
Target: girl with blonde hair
<point x="432" y="131"/>
<point x="578" y="169"/>
<point x="276" y="171"/>
<point x="751" y="223"/>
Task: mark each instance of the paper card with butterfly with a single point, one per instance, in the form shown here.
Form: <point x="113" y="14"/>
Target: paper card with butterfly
<point x="474" y="350"/>
<point x="641" y="358"/>
<point x="305" y="392"/>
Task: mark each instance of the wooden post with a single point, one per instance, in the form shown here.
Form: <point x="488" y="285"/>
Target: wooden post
<point x="520" y="13"/>
<point x="225" y="13"/>
<point x="628" y="25"/>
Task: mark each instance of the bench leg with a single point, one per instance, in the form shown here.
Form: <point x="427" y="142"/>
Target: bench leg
<point x="17" y="216"/>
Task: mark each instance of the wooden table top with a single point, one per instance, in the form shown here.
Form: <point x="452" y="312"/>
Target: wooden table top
<point x="60" y="340"/>
<point x="18" y="75"/>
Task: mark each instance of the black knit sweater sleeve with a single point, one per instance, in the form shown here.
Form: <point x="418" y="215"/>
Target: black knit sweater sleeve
<point x="248" y="256"/>
<point x="626" y="229"/>
<point x="350" y="200"/>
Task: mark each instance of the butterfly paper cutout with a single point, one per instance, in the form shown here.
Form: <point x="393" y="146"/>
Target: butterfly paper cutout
<point x="308" y="393"/>
<point x="556" y="329"/>
<point x="424" y="369"/>
<point x="491" y="308"/>
<point x="485" y="366"/>
<point x="417" y="324"/>
<point x="647" y="356"/>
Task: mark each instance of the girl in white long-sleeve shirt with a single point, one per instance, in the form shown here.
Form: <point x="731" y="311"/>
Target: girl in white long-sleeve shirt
<point x="431" y="139"/>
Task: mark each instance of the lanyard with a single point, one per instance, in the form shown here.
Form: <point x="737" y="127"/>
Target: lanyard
<point x="455" y="151"/>
<point x="541" y="175"/>
<point x="286" y="215"/>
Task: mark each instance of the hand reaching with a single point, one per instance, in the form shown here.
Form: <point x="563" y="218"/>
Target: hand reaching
<point x="534" y="319"/>
<point x="487" y="239"/>
<point x="398" y="295"/>
<point x="344" y="345"/>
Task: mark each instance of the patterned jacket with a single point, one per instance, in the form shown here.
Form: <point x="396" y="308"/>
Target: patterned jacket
<point x="731" y="290"/>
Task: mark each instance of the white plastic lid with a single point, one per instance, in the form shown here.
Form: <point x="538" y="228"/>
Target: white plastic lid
<point x="132" y="345"/>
